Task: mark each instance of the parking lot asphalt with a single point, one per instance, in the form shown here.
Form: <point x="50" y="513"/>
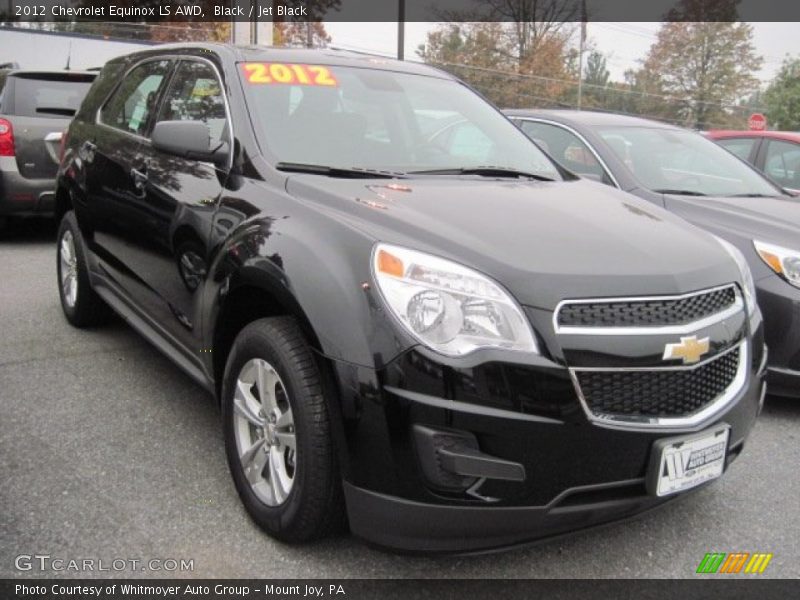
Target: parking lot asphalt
<point x="108" y="451"/>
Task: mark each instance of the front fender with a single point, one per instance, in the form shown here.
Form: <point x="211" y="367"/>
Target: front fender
<point x="317" y="269"/>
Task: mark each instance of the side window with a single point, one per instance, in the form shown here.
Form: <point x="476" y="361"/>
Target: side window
<point x="132" y="104"/>
<point x="195" y="94"/>
<point x="566" y="148"/>
<point x="783" y="163"/>
<point x="741" y="147"/>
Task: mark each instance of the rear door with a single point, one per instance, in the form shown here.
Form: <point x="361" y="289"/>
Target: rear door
<point x="116" y="156"/>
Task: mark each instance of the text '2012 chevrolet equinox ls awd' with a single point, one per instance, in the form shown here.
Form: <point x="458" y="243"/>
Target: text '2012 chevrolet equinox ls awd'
<point x="413" y="319"/>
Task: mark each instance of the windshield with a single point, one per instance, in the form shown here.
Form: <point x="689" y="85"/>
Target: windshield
<point x="675" y="161"/>
<point x="347" y="117"/>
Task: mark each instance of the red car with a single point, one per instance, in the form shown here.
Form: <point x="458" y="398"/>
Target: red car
<point x="775" y="153"/>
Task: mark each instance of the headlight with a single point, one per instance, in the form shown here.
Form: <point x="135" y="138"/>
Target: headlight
<point x="448" y="307"/>
<point x="783" y="261"/>
<point x="747" y="276"/>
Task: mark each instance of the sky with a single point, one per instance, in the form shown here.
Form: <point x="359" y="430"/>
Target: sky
<point x="622" y="43"/>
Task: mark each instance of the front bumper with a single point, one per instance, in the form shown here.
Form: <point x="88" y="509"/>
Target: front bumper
<point x="410" y="526"/>
<point x="780" y="305"/>
<point x="22" y="196"/>
<point x="578" y="473"/>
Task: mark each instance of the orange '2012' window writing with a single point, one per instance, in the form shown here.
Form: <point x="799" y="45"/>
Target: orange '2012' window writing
<point x="294" y="74"/>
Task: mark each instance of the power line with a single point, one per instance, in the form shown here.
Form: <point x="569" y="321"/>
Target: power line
<point x="612" y="90"/>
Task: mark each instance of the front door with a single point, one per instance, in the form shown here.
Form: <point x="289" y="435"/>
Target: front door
<point x="181" y="195"/>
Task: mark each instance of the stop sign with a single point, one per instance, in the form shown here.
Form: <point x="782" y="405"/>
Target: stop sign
<point x="757" y="122"/>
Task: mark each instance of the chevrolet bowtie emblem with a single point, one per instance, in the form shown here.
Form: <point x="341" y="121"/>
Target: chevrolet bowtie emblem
<point x="690" y="349"/>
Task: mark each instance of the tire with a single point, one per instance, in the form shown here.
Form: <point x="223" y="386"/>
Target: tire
<point x="295" y="495"/>
<point x="80" y="303"/>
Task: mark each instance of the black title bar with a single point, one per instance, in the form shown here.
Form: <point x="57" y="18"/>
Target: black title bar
<point x="701" y="588"/>
<point x="155" y="11"/>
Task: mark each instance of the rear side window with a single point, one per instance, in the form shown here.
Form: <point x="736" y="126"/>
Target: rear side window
<point x="783" y="163"/>
<point x="131" y="106"/>
<point x="195" y="94"/>
<point x="741" y="147"/>
<point x="53" y="96"/>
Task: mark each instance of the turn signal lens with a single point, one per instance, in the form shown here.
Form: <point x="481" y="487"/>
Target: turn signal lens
<point x="389" y="264"/>
<point x="784" y="261"/>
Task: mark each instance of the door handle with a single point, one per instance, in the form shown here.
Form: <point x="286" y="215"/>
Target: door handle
<point x="86" y="151"/>
<point x="139" y="179"/>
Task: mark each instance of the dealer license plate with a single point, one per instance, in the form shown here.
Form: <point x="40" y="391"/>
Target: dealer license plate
<point x="683" y="462"/>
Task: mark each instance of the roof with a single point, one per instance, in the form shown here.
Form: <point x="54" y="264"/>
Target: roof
<point x="50" y="75"/>
<point x="590" y="118"/>
<point x="789" y="136"/>
<point x="326" y="56"/>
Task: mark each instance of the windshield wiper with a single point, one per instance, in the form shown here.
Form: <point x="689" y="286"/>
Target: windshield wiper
<point x="680" y="192"/>
<point x="754" y="195"/>
<point x="342" y="172"/>
<point x="487" y="171"/>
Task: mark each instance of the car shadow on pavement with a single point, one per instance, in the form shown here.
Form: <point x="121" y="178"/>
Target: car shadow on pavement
<point x="780" y="406"/>
<point x="18" y="230"/>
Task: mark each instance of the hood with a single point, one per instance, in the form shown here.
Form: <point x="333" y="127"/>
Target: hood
<point x="543" y="241"/>
<point x="773" y="220"/>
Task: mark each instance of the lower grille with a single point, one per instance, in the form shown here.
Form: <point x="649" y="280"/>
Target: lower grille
<point x="659" y="393"/>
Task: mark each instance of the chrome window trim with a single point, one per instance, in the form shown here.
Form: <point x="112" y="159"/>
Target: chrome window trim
<point x="97" y="118"/>
<point x="578" y="135"/>
<point x="223" y="90"/>
<point x="736" y="307"/>
<point x="176" y="59"/>
<point x="711" y="410"/>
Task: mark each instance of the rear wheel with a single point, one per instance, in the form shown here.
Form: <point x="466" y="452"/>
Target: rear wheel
<point x="80" y="303"/>
<point x="278" y="433"/>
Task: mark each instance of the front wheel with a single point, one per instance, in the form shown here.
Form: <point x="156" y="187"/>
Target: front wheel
<point x="278" y="433"/>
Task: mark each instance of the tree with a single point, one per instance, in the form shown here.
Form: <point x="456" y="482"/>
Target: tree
<point x="782" y="97"/>
<point x="597" y="73"/>
<point x="311" y="34"/>
<point x="705" y="60"/>
<point x="310" y="31"/>
<point x="511" y="64"/>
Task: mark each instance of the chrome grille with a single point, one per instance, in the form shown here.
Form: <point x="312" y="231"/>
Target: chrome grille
<point x="649" y="312"/>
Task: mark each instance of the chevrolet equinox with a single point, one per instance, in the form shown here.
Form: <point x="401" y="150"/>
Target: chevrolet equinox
<point x="413" y="319"/>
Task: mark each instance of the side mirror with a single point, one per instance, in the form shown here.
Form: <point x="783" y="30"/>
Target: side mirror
<point x="188" y="139"/>
<point x="791" y="192"/>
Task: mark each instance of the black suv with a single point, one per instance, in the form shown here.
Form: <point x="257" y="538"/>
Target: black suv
<point x="412" y="318"/>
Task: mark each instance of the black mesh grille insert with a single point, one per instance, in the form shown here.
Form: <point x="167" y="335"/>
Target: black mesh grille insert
<point x="644" y="313"/>
<point x="657" y="393"/>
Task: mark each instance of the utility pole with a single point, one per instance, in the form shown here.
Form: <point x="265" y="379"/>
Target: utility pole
<point x="245" y="33"/>
<point x="401" y="29"/>
<point x="580" y="53"/>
